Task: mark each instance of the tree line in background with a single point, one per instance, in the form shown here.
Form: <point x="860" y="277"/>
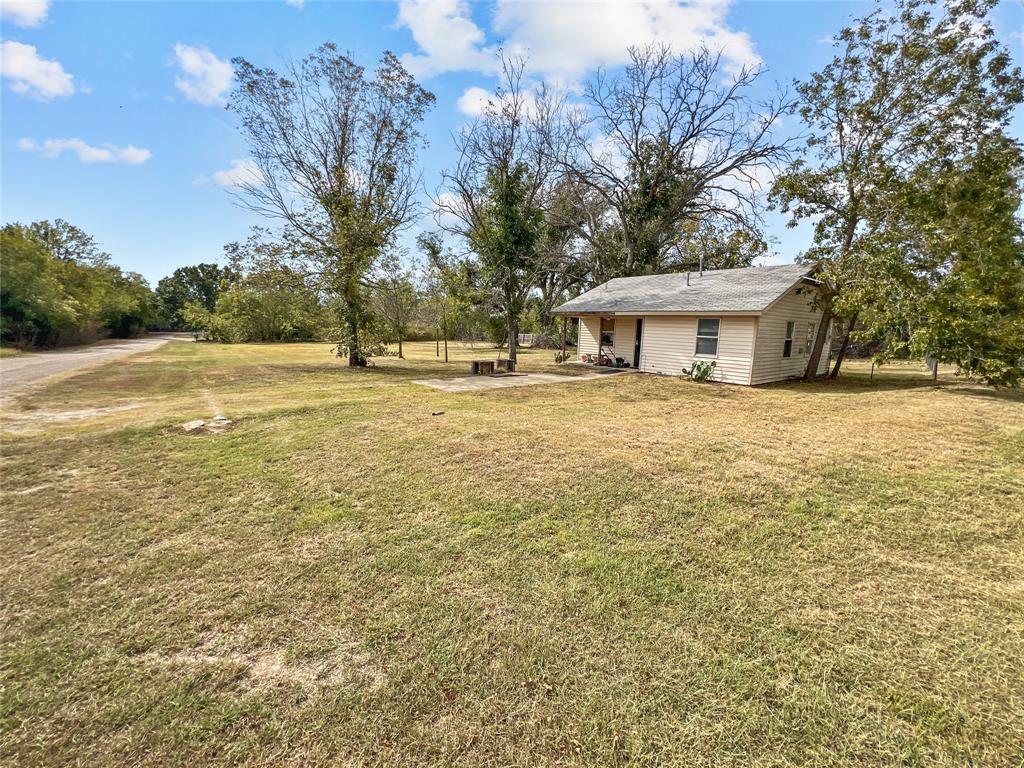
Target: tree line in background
<point x="903" y="164"/>
<point x="57" y="287"/>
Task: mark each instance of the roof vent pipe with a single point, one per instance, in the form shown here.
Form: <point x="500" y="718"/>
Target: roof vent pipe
<point x="687" y="278"/>
<point x="702" y="265"/>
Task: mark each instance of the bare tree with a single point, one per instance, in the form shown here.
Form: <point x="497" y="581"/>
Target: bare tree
<point x="495" y="195"/>
<point x="333" y="161"/>
<point x="667" y="141"/>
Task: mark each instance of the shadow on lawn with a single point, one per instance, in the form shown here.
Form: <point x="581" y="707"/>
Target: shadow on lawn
<point x="857" y="384"/>
<point x="991" y="393"/>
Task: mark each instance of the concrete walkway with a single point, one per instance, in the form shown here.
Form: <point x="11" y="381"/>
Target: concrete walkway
<point x="17" y="373"/>
<point x="484" y="383"/>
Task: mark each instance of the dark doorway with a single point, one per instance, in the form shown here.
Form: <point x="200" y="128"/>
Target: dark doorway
<point x="636" y="341"/>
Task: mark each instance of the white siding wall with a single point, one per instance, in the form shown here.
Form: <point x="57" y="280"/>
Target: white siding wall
<point x="587" y="342"/>
<point x="669" y="343"/>
<point x="769" y="364"/>
<point x="625" y="333"/>
<point x="624" y="329"/>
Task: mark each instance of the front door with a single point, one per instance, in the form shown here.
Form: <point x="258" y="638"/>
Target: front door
<point x="636" y="341"/>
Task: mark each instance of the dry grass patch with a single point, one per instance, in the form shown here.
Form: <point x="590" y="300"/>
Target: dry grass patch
<point x="630" y="571"/>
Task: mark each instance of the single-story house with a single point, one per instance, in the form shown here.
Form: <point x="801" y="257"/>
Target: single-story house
<point x="757" y="323"/>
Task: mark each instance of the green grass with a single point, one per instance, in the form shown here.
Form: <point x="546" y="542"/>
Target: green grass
<point x="631" y="571"/>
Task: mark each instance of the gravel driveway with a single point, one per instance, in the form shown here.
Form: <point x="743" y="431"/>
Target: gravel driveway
<point x="17" y="373"/>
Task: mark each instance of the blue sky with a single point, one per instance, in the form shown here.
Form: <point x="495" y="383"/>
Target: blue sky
<point x="112" y="113"/>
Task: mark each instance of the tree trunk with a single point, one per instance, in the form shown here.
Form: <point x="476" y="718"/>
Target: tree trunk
<point x="444" y="331"/>
<point x="400" y="355"/>
<point x="811" y="372"/>
<point x="513" y="336"/>
<point x="437" y="344"/>
<point x="842" y="347"/>
<point x="355" y="355"/>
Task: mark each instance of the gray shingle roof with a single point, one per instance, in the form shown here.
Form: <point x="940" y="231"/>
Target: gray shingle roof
<point x="749" y="289"/>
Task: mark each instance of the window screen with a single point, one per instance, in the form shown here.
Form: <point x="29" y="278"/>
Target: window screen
<point x="787" y="347"/>
<point x="707" y="336"/>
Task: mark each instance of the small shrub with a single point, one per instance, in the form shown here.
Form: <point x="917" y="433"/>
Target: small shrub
<point x="702" y="370"/>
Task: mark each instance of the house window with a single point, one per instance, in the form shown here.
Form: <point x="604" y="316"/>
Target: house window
<point x="810" y="337"/>
<point x="787" y="348"/>
<point x="608" y="332"/>
<point x="707" y="337"/>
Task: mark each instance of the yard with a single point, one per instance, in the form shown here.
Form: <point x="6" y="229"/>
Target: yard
<point x="632" y="571"/>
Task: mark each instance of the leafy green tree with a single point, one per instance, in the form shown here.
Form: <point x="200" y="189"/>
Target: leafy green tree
<point x="58" y="288"/>
<point x="505" y="236"/>
<point x="454" y="300"/>
<point x="67" y="242"/>
<point x="269" y="304"/>
<point x="198" y="284"/>
<point x="395" y="299"/>
<point x="32" y="300"/>
<point x="711" y="244"/>
<point x="497" y="190"/>
<point x="951" y="285"/>
<point x="132" y="306"/>
<point x="334" y="163"/>
<point x="273" y="304"/>
<point x="909" y="93"/>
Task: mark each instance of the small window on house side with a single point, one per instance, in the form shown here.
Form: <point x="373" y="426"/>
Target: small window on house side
<point x="608" y="332"/>
<point x="787" y="348"/>
<point x="810" y="338"/>
<point x="707" y="337"/>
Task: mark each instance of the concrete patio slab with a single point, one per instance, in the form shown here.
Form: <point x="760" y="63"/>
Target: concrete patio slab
<point x="484" y="383"/>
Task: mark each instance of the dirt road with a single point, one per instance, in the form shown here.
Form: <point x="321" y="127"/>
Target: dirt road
<point x="17" y="373"/>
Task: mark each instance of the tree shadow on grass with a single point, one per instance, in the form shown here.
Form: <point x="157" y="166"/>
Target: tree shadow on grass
<point x="858" y="384"/>
<point x="855" y="385"/>
<point x="991" y="393"/>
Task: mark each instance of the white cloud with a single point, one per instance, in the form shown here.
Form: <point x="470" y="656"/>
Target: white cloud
<point x="564" y="41"/>
<point x="240" y="172"/>
<point x="296" y="3"/>
<point x="441" y="209"/>
<point x="108" y="153"/>
<point x="204" y="78"/>
<point x="31" y="75"/>
<point x="608" y="153"/>
<point x="474" y="101"/>
<point x="448" y="38"/>
<point x="25" y="13"/>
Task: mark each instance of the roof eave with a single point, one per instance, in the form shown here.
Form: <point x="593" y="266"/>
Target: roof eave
<point x="650" y="312"/>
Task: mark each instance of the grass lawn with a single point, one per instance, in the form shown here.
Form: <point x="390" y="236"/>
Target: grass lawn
<point x="631" y="571"/>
